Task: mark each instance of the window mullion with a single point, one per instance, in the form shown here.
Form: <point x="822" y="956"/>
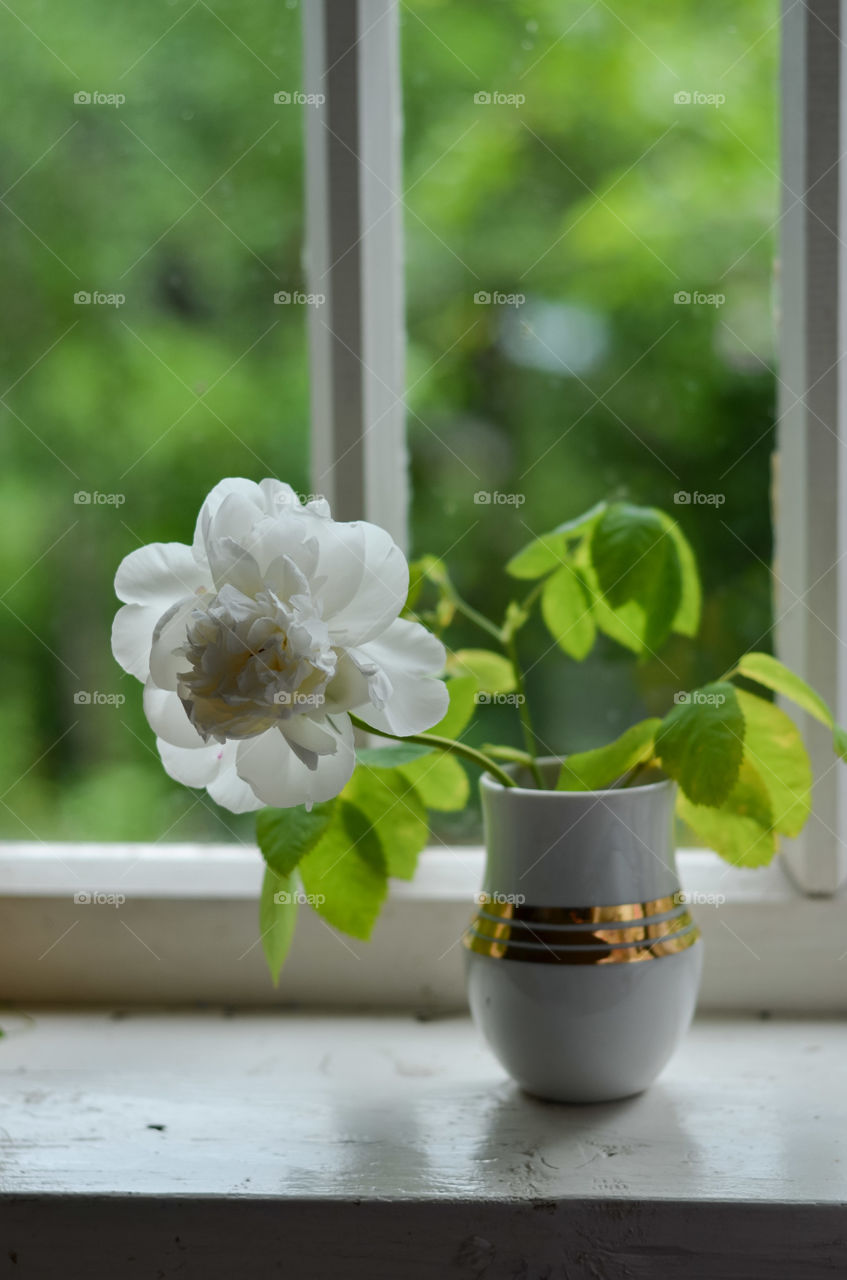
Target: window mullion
<point x="354" y="259"/>
<point x="811" y="524"/>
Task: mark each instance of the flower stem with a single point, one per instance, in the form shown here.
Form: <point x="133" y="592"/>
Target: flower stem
<point x="523" y="711"/>
<point x="472" y="614"/>
<point x="444" y="744"/>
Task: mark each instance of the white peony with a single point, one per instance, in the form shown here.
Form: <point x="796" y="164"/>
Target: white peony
<point x="255" y="643"/>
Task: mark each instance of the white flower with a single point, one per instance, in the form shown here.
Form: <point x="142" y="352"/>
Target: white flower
<point x="255" y="643"/>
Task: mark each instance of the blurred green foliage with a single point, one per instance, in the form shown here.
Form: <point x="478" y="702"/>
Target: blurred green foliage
<point x="598" y="199"/>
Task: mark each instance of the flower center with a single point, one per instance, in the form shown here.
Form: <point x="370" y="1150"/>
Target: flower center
<point x="253" y="662"/>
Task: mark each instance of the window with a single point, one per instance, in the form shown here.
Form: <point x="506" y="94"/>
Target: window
<point x="598" y="370"/>
<point x="154" y="339"/>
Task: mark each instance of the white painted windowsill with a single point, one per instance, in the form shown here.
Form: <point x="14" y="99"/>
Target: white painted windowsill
<point x="187" y="932"/>
<point x="391" y="1148"/>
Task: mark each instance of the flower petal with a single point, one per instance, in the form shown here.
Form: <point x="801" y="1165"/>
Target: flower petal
<point x="409" y="656"/>
<point x="160" y="574"/>
<point x="169" y="634"/>
<point x="232" y="792"/>
<point x="132" y="636"/>
<point x="167" y="718"/>
<point x="195" y="768"/>
<point x="279" y="778"/>
<point x="232" y="521"/>
<point x="367" y="579"/>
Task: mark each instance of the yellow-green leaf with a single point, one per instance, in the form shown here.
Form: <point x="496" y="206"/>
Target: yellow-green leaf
<point x="772" y="743"/>
<point x="595" y="770"/>
<point x="277" y="918"/>
<point x="701" y="743"/>
<point x="346" y="873"/>
<point x="566" y="610"/>
<point x="492" y="671"/>
<point x="741" y="829"/>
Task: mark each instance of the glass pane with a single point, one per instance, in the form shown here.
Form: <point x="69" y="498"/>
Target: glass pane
<point x="152" y="210"/>
<point x="592" y="200"/>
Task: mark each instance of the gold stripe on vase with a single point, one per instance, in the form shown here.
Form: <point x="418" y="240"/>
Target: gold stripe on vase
<point x="504" y="931"/>
<point x="624" y="912"/>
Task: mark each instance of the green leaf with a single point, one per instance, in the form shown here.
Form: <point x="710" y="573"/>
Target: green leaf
<point x="492" y="672"/>
<point x="773" y="674"/>
<point x="741" y="829"/>
<point x="462" y="691"/>
<point x="566" y="610"/>
<point x="772" y="743"/>
<point x="595" y="770"/>
<point x="427" y="568"/>
<point x="687" y="617"/>
<point x="286" y="835"/>
<point x="395" y="811"/>
<point x="545" y="553"/>
<point x="346" y="874"/>
<point x="391" y="757"/>
<point x="440" y="781"/>
<point x="701" y="743"/>
<point x="637" y="564"/>
<point x="277" y="918"/>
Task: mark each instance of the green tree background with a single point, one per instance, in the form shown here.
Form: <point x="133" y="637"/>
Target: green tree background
<point x="597" y="199"/>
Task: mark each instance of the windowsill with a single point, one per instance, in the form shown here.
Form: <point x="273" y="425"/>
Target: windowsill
<point x="381" y="1146"/>
<point x="187" y="931"/>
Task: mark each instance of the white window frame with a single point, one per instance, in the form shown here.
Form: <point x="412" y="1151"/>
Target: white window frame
<point x="188" y="930"/>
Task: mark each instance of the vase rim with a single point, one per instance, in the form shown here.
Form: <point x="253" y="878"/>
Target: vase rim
<point x="489" y="783"/>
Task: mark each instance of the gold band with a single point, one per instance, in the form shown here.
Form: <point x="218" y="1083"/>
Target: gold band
<point x="626" y="912"/>
<point x="497" y="949"/>
<point x="613" y="935"/>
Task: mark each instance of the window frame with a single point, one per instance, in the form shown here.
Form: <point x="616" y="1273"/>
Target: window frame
<point x="354" y="227"/>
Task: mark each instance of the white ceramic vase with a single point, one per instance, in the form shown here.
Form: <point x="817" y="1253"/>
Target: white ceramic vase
<point x="583" y="963"/>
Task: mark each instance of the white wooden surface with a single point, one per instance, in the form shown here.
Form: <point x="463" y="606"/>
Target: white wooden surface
<point x="207" y="1144"/>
